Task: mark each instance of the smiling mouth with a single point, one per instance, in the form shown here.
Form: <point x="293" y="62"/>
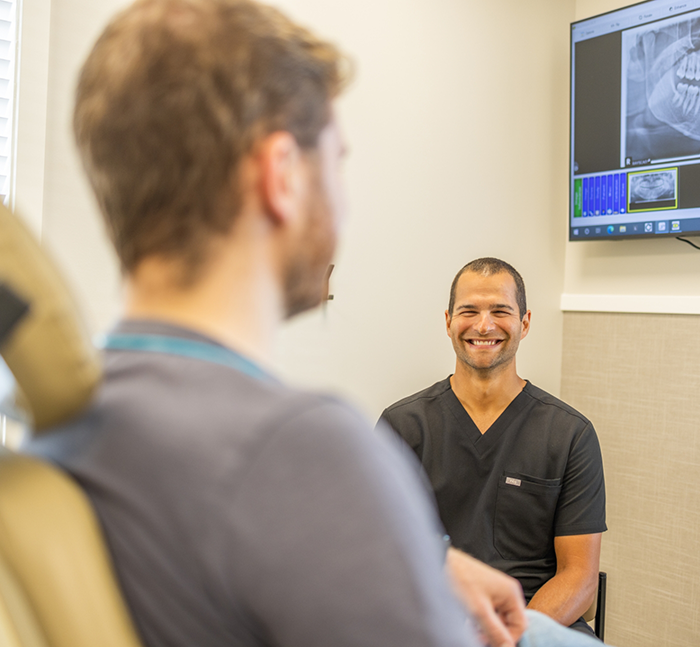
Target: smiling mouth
<point x="484" y="343"/>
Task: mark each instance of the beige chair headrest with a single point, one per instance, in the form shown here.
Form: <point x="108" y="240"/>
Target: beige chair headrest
<point x="47" y="349"/>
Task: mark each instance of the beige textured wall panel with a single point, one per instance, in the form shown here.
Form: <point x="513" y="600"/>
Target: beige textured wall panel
<point x="637" y="377"/>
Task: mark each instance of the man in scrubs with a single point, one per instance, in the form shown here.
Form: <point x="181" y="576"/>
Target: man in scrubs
<point x="517" y="473"/>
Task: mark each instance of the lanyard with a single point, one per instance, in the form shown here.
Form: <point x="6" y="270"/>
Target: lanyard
<point x="167" y="345"/>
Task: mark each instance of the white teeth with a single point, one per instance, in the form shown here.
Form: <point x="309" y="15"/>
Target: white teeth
<point x="484" y="342"/>
<point x="687" y="100"/>
<point x="690" y="70"/>
<point x="690" y="97"/>
<point x="686" y="96"/>
<point x="679" y="94"/>
<point x="682" y="67"/>
<point x="668" y="100"/>
<point x="693" y="93"/>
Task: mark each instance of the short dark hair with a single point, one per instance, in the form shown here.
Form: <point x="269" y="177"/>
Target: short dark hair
<point x="487" y="267"/>
<point x="172" y="97"/>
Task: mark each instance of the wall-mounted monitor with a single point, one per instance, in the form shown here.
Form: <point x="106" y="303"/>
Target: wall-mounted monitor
<point x="635" y="123"/>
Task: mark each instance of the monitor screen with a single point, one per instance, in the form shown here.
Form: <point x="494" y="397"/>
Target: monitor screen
<point x="635" y="123"/>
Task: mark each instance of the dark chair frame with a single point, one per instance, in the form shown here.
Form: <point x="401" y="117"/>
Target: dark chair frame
<point x="600" y="610"/>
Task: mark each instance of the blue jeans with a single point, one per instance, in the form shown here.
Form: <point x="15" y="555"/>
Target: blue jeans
<point x="542" y="631"/>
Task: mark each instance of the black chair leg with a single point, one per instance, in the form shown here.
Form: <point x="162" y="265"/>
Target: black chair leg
<point x="600" y="612"/>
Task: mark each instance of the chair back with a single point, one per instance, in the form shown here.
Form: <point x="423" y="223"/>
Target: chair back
<point x="57" y="585"/>
<point x="44" y="342"/>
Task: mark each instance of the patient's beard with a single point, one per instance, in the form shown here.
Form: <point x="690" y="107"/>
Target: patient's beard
<point x="305" y="283"/>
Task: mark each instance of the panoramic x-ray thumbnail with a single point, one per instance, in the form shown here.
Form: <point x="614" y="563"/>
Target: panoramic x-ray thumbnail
<point x="663" y="91"/>
<point x="655" y="186"/>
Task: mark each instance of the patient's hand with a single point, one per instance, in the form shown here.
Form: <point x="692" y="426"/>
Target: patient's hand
<point x="494" y="599"/>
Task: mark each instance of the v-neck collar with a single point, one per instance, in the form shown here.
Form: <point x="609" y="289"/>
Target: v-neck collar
<point x="492" y="435"/>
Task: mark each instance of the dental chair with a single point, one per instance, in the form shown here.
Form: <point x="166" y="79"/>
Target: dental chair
<point x="57" y="584"/>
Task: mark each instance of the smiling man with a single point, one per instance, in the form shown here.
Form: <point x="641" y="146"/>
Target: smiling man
<point x="517" y="473"/>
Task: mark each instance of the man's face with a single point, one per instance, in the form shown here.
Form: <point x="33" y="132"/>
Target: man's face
<point x="305" y="283"/>
<point x="485" y="325"/>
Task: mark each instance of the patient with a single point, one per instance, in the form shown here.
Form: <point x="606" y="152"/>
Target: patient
<point x="240" y="511"/>
<point x="517" y="473"/>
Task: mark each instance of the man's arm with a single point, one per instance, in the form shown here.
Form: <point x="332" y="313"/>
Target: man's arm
<point x="570" y="592"/>
<point x="494" y="599"/>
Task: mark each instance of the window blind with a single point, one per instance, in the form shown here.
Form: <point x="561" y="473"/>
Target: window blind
<point x="8" y="53"/>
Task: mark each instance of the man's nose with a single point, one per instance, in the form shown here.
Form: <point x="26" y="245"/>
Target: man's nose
<point x="485" y="323"/>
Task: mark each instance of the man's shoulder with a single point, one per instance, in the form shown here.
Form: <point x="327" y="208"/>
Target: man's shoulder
<point x="419" y="400"/>
<point x="171" y="386"/>
<point x="150" y="404"/>
<point x="558" y="407"/>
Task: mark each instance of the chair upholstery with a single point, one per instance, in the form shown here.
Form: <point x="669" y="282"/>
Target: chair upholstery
<point x="589" y="615"/>
<point x="18" y="624"/>
<point x="51" y="541"/>
<point x="47" y="349"/>
<point x="57" y="585"/>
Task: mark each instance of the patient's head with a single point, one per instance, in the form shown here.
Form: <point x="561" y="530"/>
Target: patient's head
<point x="173" y="96"/>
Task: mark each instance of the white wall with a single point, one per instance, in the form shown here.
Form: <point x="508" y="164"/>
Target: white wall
<point x="32" y="97"/>
<point x="457" y="124"/>
<point x="661" y="267"/>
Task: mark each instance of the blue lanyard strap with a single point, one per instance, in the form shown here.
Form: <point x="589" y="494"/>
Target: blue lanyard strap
<point x="167" y="345"/>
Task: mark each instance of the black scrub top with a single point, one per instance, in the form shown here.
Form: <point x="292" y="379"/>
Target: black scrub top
<point x="504" y="495"/>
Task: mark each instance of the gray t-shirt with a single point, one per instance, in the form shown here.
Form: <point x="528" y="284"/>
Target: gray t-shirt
<point x="242" y="512"/>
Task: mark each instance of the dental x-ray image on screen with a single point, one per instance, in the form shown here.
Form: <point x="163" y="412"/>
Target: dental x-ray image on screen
<point x="635" y="122"/>
<point x="655" y="189"/>
<point x="663" y="90"/>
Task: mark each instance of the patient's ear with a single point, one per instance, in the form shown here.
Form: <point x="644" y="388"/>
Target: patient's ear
<point x="283" y="176"/>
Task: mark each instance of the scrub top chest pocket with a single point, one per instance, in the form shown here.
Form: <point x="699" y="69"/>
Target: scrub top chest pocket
<point x="525" y="509"/>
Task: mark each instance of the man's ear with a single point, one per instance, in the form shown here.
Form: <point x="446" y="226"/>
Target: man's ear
<point x="448" y="321"/>
<point x="526" y="324"/>
<point x="283" y="175"/>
